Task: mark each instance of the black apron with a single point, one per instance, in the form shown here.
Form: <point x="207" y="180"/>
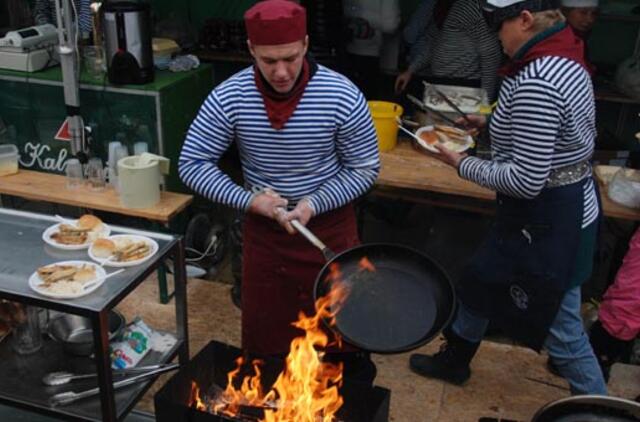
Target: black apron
<point x="520" y="274"/>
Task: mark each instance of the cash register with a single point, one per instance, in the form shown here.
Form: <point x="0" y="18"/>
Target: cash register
<point x="29" y="49"/>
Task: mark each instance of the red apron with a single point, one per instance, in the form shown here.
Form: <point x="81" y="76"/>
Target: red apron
<point x="278" y="275"/>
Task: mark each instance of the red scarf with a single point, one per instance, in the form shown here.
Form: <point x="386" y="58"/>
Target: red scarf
<point x="560" y="42"/>
<point x="280" y="107"/>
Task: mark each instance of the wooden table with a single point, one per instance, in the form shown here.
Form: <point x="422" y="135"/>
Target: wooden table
<point x="410" y="174"/>
<point x="47" y="187"/>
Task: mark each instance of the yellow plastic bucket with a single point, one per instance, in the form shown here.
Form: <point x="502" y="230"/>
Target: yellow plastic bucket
<point x="385" y="115"/>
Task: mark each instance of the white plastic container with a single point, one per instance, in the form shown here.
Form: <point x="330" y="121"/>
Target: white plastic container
<point x="139" y="178"/>
<point x="8" y="159"/>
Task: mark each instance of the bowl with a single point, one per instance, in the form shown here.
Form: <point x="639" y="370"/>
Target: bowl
<point x="76" y="333"/>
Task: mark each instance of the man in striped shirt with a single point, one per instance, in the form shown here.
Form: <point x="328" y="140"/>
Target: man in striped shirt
<point x="456" y="48"/>
<point x="44" y="11"/>
<point x="526" y="277"/>
<point x="308" y="148"/>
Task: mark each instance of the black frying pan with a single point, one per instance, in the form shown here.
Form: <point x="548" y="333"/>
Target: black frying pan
<point x="404" y="304"/>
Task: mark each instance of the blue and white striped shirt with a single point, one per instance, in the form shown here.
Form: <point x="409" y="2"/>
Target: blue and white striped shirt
<point x="327" y="152"/>
<point x="464" y="48"/>
<point x="545" y="120"/>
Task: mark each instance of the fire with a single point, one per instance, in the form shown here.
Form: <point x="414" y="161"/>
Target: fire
<point x="195" y="400"/>
<point x="365" y="264"/>
<point x="307" y="389"/>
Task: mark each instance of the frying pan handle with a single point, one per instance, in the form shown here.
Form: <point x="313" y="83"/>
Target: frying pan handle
<point x="328" y="253"/>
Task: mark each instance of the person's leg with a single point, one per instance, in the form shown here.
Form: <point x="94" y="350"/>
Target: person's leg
<point x="451" y="363"/>
<point x="469" y="325"/>
<point x="570" y="351"/>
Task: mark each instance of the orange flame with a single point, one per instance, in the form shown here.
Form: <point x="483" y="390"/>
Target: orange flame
<point x="307" y="389"/>
<point x="194" y="399"/>
<point x="365" y="264"/>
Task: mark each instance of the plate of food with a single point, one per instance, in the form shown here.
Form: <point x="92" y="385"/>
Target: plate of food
<point x="67" y="279"/>
<point x="123" y="250"/>
<point x="449" y="137"/>
<point x="73" y="235"/>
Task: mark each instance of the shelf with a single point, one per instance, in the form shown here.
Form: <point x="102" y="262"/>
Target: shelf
<point x="245" y="57"/>
<point x="162" y="79"/>
<point x="21" y="252"/>
<point x="31" y="393"/>
<point x="28" y="251"/>
<point x="611" y="95"/>
<point x="619" y="18"/>
<point x="227" y="56"/>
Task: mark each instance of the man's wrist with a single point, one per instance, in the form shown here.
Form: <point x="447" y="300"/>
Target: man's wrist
<point x="309" y="202"/>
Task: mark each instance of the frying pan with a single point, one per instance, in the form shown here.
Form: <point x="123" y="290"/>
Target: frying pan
<point x="400" y="306"/>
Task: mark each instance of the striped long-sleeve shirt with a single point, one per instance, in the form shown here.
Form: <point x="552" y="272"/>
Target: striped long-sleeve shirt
<point x="327" y="152"/>
<point x="545" y="120"/>
<point x="44" y="11"/>
<point x="464" y="48"/>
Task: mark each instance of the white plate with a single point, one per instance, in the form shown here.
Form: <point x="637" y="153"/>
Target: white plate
<point x="35" y="282"/>
<point x="46" y="236"/>
<point x="453" y="146"/>
<point x="468" y="99"/>
<point x="135" y="238"/>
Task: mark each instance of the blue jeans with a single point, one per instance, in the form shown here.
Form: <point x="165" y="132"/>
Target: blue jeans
<point x="567" y="343"/>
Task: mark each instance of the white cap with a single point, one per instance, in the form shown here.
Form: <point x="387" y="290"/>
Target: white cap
<point x="502" y="3"/>
<point x="580" y="3"/>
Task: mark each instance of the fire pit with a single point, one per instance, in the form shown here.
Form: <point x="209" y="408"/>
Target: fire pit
<point x="209" y="369"/>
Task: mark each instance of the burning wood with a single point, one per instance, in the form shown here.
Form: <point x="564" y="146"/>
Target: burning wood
<point x="307" y="389"/>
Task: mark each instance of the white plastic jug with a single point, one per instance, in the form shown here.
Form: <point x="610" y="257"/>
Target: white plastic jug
<point x="139" y="177"/>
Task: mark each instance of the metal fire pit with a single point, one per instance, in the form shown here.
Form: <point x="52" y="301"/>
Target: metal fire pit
<point x="209" y="368"/>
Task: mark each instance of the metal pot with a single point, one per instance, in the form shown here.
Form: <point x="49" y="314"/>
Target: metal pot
<point x="76" y="333"/>
<point x="589" y="408"/>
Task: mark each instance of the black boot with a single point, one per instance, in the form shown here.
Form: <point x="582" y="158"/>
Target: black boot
<point x="450" y="364"/>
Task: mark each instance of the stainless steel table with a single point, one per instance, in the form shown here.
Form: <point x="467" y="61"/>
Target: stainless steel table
<point x="22" y="251"/>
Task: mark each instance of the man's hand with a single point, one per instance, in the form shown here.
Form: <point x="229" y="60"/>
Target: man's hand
<point x="473" y="123"/>
<point x="403" y="80"/>
<point x="450" y="157"/>
<point x="268" y="204"/>
<point x="302" y="212"/>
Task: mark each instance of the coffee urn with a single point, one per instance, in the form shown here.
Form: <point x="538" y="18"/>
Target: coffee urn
<point x="127" y="37"/>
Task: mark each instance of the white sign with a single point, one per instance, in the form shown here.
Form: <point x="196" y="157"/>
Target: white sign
<point x="37" y="157"/>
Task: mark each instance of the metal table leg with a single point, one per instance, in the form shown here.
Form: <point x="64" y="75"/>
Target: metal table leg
<point x="100" y="322"/>
<point x="165" y="296"/>
<point x="180" y="281"/>
<point x="162" y="284"/>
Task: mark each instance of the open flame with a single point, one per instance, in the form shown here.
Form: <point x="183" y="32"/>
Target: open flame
<point x="307" y="389"/>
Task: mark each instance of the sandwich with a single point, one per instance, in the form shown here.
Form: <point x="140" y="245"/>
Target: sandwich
<point x="103" y="248"/>
<point x="90" y="222"/>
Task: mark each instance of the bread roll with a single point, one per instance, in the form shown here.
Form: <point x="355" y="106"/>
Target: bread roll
<point x="89" y="221"/>
<point x="103" y="248"/>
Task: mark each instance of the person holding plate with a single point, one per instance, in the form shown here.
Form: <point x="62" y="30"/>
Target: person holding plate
<point x="526" y="276"/>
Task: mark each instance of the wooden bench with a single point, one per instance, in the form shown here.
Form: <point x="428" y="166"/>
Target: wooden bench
<point x="48" y="187"/>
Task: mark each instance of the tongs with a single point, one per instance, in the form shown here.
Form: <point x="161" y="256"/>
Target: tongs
<point x="63" y="377"/>
<point x="450" y="103"/>
<point x="428" y="109"/>
<point x="68" y="397"/>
